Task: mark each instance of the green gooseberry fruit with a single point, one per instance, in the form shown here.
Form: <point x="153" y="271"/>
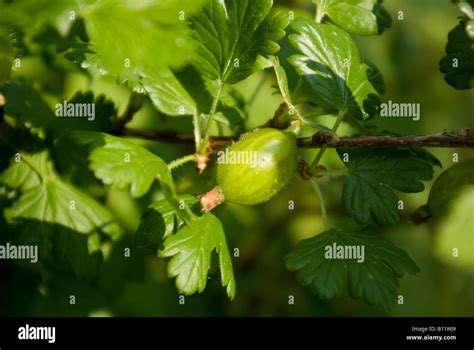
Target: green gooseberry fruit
<point x="254" y="169"/>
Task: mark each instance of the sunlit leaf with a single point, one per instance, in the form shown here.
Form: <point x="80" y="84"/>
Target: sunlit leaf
<point x="329" y="62"/>
<point x="190" y="250"/>
<point x="362" y="17"/>
<point x="231" y="34"/>
<point x="45" y="197"/>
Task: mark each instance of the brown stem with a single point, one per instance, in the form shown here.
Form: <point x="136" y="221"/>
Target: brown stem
<point x="170" y="136"/>
<point x="458" y="138"/>
<point x="135" y="103"/>
<point x="462" y="138"/>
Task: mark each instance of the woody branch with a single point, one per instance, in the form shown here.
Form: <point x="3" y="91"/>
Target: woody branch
<point x="461" y="138"/>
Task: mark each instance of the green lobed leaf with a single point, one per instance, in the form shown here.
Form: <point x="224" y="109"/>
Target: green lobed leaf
<point x="231" y="34"/>
<point x="231" y="107"/>
<point x="28" y="107"/>
<point x="159" y="221"/>
<point x="20" y="175"/>
<point x="168" y="95"/>
<point x="190" y="250"/>
<point x="187" y="93"/>
<point x="282" y="79"/>
<point x="45" y="197"/>
<point x="121" y="163"/>
<point x="153" y="38"/>
<point x="458" y="63"/>
<point x="426" y="155"/>
<point x="375" y="77"/>
<point x="105" y="114"/>
<point x="60" y="247"/>
<point x="372" y="175"/>
<point x="448" y="186"/>
<point x="73" y="45"/>
<point x="466" y="6"/>
<point x="384" y="19"/>
<point x="197" y="87"/>
<point x="375" y="279"/>
<point x="142" y="52"/>
<point x="330" y="64"/>
<point x="312" y="116"/>
<point x="70" y="160"/>
<point x="361" y="17"/>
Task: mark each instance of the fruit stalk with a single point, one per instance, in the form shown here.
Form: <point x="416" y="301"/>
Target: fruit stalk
<point x="211" y="199"/>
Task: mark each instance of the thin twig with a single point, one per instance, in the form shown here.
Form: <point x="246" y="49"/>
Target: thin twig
<point x="462" y="138"/>
<point x="212" y="113"/>
<point x="135" y="103"/>
<point x="181" y="161"/>
<point x="338" y="122"/>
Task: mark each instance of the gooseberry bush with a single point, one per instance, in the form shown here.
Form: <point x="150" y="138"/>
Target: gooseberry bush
<point x="185" y="57"/>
